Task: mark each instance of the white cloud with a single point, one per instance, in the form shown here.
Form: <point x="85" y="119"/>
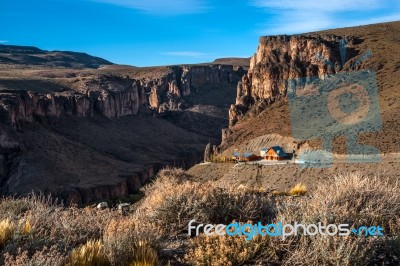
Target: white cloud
<point x="192" y="54"/>
<point x="2" y="41"/>
<point x="161" y="7"/>
<point x="292" y="16"/>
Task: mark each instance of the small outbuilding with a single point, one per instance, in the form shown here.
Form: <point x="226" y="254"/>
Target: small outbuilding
<point x="244" y="157"/>
<point x="249" y="156"/>
<point x="276" y="153"/>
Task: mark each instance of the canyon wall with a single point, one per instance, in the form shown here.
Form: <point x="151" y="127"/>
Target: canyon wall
<point x="169" y="91"/>
<point x="128" y="184"/>
<point x="108" y="96"/>
<point x="281" y="58"/>
<point x="114" y="96"/>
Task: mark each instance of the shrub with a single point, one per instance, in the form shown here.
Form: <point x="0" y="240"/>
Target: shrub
<point x="352" y="200"/>
<point x="68" y="227"/>
<point x="123" y="244"/>
<point x="118" y="241"/>
<point x="15" y="208"/>
<point x="144" y="255"/>
<point x="45" y="257"/>
<point x="6" y="231"/>
<point x="90" y="254"/>
<point x="348" y="199"/>
<point x="171" y="202"/>
<point x="230" y="250"/>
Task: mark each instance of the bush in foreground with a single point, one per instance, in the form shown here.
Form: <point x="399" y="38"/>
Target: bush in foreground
<point x="124" y="246"/>
<point x="348" y="199"/>
<point x="171" y="202"/>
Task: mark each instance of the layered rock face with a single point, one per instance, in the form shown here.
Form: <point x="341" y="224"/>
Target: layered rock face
<point x="167" y="92"/>
<point x="281" y="58"/>
<point x="114" y="96"/>
<point x="108" y="96"/>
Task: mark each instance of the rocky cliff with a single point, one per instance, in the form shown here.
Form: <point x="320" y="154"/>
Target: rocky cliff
<point x="108" y="96"/>
<point x="281" y="58"/>
<point x="114" y="96"/>
<point x="169" y="91"/>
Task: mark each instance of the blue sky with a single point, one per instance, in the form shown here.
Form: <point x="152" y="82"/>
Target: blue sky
<point x="162" y="32"/>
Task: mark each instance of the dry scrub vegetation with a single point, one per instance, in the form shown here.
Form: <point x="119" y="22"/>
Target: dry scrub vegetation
<point x="37" y="231"/>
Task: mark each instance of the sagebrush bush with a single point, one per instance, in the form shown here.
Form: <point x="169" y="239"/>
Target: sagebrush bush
<point x="123" y="244"/>
<point x="15" y="208"/>
<point x="354" y="200"/>
<point x="230" y="250"/>
<point x="350" y="199"/>
<point x="43" y="223"/>
<point x="144" y="254"/>
<point x="45" y="257"/>
<point x="118" y="241"/>
<point x="171" y="202"/>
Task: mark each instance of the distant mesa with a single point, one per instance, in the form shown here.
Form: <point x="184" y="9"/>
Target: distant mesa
<point x="29" y="55"/>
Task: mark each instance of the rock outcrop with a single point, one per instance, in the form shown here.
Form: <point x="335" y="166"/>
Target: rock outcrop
<point x="281" y="58"/>
<point x="108" y="96"/>
<point x="169" y="91"/>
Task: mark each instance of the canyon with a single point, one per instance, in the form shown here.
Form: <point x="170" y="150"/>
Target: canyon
<point x="88" y="132"/>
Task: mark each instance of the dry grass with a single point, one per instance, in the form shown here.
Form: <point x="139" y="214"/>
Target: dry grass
<point x="26" y="227"/>
<point x="298" y="190"/>
<point x="354" y="199"/>
<point x="6" y="231"/>
<point x="52" y="235"/>
<point x="87" y="255"/>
